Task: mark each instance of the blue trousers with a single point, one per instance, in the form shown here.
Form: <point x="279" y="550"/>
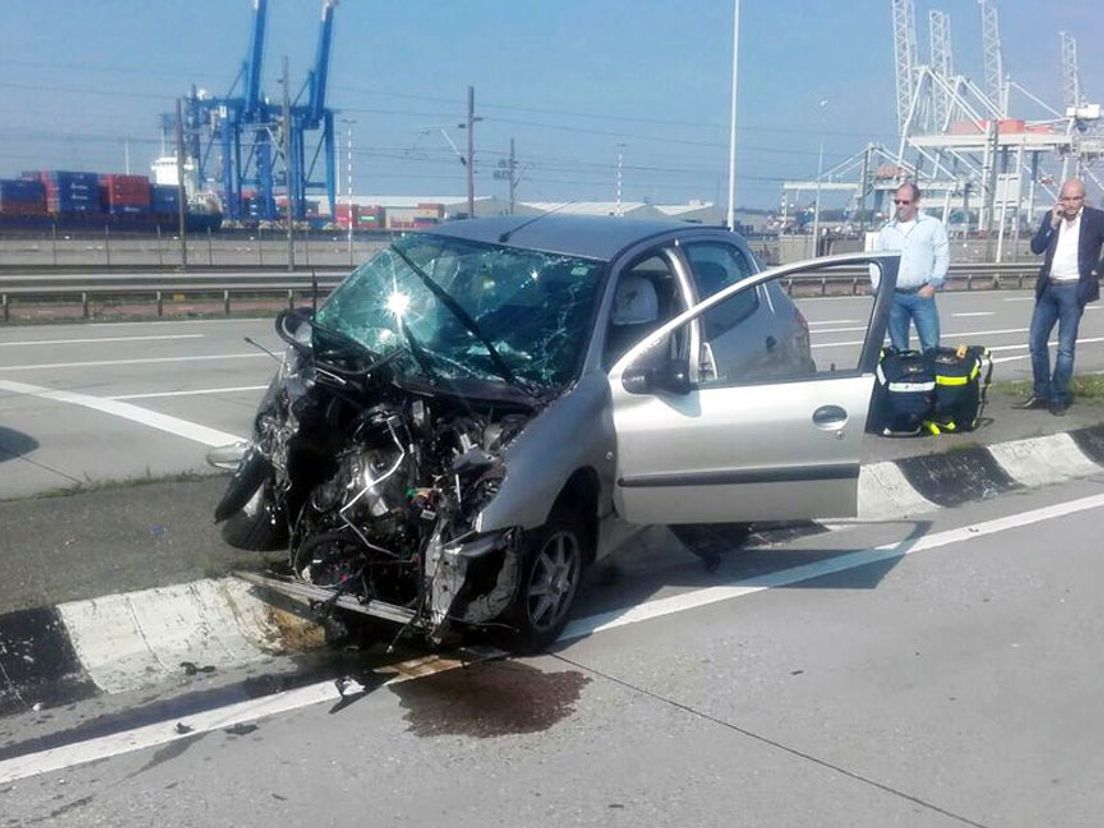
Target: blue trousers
<point x="910" y="306"/>
<point x="1058" y="303"/>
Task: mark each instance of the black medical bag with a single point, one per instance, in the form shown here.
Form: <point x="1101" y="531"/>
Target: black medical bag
<point x="962" y="377"/>
<point x="904" y="394"/>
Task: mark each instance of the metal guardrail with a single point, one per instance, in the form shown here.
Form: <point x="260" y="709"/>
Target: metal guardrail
<point x="965" y="276"/>
<point x="155" y="287"/>
<point x="30" y="285"/>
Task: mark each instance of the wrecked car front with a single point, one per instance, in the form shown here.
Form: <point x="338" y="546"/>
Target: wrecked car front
<point x="392" y="454"/>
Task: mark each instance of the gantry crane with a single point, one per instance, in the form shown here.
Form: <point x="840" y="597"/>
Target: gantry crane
<point x="261" y="144"/>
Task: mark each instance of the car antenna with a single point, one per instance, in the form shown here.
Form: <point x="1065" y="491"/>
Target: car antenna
<point x="314" y="290"/>
<point x="257" y="344"/>
<point x="505" y="237"/>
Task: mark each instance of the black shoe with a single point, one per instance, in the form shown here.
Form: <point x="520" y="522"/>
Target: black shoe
<point x="1058" y="409"/>
<point x="1031" y="403"/>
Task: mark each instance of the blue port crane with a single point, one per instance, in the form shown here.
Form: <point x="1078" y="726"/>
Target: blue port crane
<point x="248" y="132"/>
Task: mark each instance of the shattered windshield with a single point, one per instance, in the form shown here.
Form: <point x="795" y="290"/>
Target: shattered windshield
<point x="533" y="309"/>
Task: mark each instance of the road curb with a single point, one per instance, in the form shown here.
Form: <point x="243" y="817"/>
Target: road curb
<point x="124" y="641"/>
<point x="129" y="640"/>
<point x="922" y="483"/>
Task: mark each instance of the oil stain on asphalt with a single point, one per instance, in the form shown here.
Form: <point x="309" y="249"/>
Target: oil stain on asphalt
<point x="497" y="698"/>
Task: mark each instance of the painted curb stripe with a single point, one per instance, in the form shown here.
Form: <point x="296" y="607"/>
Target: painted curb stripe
<point x="1091" y="441"/>
<point x="1041" y="461"/>
<point x="135" y="638"/>
<point x="955" y="478"/>
<point x="37" y="661"/>
<point x="886" y="494"/>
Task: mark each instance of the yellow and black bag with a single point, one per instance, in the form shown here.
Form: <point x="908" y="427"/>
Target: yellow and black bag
<point x="962" y="378"/>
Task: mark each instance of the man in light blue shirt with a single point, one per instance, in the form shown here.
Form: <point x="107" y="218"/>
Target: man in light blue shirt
<point x="925" y="255"/>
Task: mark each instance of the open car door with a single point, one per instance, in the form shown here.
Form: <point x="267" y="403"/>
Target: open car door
<point x="766" y="421"/>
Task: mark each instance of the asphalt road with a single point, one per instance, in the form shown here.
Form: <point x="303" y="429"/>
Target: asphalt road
<point x="958" y="684"/>
<point x="205" y="381"/>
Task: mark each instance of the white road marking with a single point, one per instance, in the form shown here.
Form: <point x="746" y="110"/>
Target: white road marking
<point x="1020" y="299"/>
<point x="220" y="718"/>
<point x="237" y="320"/>
<point x="833" y="322"/>
<point x="976" y="313"/>
<point x="1023" y="347"/>
<point x="188" y="393"/>
<point x="160" y="733"/>
<point x="100" y="339"/>
<point x="162" y="422"/>
<point x="890" y="551"/>
<point x="840" y="330"/>
<point x="46" y="366"/>
<point x="951" y="336"/>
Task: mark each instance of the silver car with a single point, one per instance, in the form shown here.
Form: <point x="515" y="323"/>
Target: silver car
<point x="479" y="412"/>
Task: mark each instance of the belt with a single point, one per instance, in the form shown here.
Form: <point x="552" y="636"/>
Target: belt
<point x="908" y="289"/>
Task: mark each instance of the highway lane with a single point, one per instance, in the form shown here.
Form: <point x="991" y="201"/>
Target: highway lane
<point x="208" y="377"/>
<point x="951" y="680"/>
<point x="202" y="373"/>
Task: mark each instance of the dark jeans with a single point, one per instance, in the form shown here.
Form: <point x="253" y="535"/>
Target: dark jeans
<point x="1058" y="303"/>
<point x="922" y="311"/>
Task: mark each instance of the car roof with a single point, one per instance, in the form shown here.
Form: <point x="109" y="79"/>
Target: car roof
<point x="590" y="237"/>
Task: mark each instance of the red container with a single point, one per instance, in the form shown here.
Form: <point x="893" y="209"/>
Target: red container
<point x="125" y="190"/>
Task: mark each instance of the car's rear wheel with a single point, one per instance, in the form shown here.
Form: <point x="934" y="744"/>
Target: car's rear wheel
<point x="554" y="558"/>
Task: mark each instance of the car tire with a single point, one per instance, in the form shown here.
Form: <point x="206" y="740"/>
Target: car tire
<point x="257" y="526"/>
<point x="554" y="558"/>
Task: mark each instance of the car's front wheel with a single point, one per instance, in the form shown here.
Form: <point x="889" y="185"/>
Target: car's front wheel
<point x="554" y="558"/>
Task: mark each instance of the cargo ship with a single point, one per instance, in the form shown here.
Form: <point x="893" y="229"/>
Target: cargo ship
<point x="47" y="201"/>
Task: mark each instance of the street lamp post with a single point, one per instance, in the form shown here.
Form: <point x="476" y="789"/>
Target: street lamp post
<point x="349" y="181"/>
<point x="732" y="123"/>
<point x="820" y="171"/>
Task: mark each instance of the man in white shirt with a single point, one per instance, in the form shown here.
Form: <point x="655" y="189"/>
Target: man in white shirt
<point x="925" y="256"/>
<point x="1071" y="235"/>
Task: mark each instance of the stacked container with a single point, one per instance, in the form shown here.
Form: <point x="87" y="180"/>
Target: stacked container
<point x="21" y="197"/>
<point x="370" y="218"/>
<point x="164" y="199"/>
<point x="124" y="194"/>
<point x="346" y="214"/>
<point x="69" y="192"/>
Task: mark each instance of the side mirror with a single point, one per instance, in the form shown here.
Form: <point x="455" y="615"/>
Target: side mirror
<point x="671" y="375"/>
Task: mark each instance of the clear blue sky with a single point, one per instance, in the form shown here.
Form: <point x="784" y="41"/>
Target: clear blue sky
<point x="569" y="80"/>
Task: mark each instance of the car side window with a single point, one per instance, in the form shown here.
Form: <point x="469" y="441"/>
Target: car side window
<point x="646" y="295"/>
<point x="716" y="266"/>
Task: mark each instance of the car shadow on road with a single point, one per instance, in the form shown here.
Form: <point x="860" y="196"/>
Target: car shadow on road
<point x="14" y="444"/>
<point x="657" y="564"/>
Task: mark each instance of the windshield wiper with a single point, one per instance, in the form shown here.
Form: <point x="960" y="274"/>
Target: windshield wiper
<point x="417" y="351"/>
<point x="454" y="307"/>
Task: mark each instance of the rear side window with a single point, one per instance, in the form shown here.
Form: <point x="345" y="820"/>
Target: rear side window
<point x="716" y="266"/>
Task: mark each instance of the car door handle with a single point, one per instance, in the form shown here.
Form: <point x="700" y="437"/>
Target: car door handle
<point x="771" y="343"/>
<point x="830" y="417"/>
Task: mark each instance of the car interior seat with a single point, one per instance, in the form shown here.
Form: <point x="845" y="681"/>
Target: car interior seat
<point x="635" y="314"/>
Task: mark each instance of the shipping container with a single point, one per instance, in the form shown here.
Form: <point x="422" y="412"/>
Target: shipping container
<point x="428" y="210"/>
<point x="22" y="198"/>
<point x="119" y="191"/>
